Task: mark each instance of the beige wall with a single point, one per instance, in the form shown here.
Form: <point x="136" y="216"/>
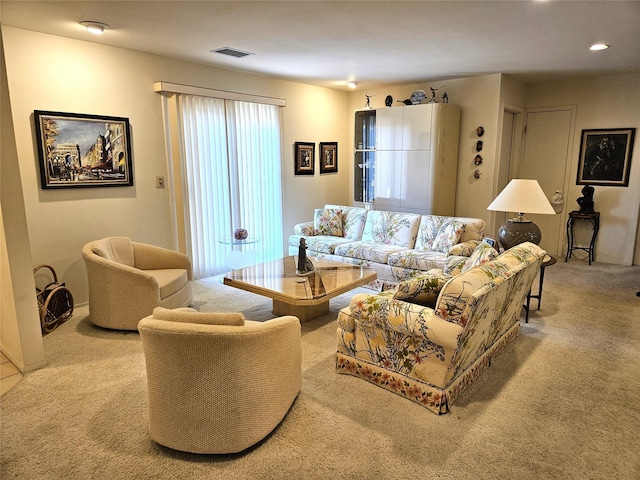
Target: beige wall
<point x="478" y="98"/>
<point x="20" y="336"/>
<point x="95" y="79"/>
<point x="602" y="102"/>
<point x="46" y="72"/>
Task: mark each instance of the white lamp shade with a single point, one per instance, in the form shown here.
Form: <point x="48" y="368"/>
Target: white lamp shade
<point x="522" y="196"/>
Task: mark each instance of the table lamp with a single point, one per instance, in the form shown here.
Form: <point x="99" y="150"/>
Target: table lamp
<point x="521" y="196"/>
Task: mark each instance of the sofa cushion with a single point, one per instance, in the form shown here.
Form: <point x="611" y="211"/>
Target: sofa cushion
<point x="353" y="219"/>
<point x="421" y="290"/>
<point x="190" y="315"/>
<point x="448" y="235"/>
<point x="464" y="249"/>
<point x="373" y="252"/>
<point x="417" y="259"/>
<point x="169" y="280"/>
<point x="319" y="244"/>
<point x="482" y="254"/>
<point x="117" y="249"/>
<point x="327" y="221"/>
<point x="391" y="228"/>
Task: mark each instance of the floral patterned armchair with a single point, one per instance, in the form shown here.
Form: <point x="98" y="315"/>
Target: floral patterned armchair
<point x="431" y="337"/>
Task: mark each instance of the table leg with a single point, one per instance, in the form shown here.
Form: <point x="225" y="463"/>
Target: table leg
<point x="304" y="313"/>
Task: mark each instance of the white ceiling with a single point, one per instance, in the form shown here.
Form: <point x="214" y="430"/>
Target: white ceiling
<point x="376" y="43"/>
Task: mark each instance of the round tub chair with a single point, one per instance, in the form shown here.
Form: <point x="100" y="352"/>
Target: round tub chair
<point x="218" y="383"/>
<point x="127" y="280"/>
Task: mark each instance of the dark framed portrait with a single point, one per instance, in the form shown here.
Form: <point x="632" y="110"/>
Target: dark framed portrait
<point x="328" y="157"/>
<point x="605" y="156"/>
<point x="80" y="150"/>
<point x="304" y="158"/>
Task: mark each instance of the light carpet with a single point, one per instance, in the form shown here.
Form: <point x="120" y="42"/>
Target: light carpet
<point x="561" y="402"/>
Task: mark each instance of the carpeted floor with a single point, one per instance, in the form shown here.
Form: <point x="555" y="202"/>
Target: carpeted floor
<point x="561" y="402"/>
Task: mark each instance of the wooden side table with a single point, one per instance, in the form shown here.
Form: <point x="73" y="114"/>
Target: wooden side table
<point x="594" y="219"/>
<point x="547" y="261"/>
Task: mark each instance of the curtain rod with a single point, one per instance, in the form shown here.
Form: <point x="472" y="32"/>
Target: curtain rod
<point x="172" y="88"/>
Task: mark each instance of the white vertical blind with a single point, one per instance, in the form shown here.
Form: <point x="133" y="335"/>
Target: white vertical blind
<point x="232" y="169"/>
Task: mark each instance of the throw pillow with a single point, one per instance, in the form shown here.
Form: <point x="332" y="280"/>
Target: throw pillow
<point x="327" y="221"/>
<point x="422" y="290"/>
<point x="448" y="235"/>
<point x="188" y="315"/>
<point x="482" y="254"/>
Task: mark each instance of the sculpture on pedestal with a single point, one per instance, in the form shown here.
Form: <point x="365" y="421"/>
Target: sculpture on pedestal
<point x="305" y="267"/>
<point x="586" y="201"/>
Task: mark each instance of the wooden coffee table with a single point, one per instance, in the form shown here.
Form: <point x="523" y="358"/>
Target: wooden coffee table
<point x="304" y="297"/>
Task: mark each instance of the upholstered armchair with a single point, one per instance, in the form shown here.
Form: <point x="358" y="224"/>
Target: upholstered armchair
<point x="127" y="280"/>
<point x="218" y="383"/>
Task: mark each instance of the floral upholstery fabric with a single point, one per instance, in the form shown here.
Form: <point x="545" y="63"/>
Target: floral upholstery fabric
<point x="421" y="290"/>
<point x="453" y="264"/>
<point x="430" y="225"/>
<point x="391" y="228"/>
<point x="410" y="232"/>
<point x="316" y="244"/>
<point x="417" y="259"/>
<point x="448" y="235"/>
<point x="431" y="355"/>
<point x="327" y="221"/>
<point x="353" y="219"/>
<point x="482" y="254"/>
<point x="464" y="249"/>
<point x="373" y="252"/>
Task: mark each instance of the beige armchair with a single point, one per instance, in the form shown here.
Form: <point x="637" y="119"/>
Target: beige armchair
<point x="127" y="280"/>
<point x="217" y="383"/>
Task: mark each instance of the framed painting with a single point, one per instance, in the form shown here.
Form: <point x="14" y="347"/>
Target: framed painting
<point x="328" y="157"/>
<point x="78" y="150"/>
<point x="605" y="157"/>
<point x="304" y="157"/>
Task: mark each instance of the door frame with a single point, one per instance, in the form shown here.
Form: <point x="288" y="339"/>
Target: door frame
<point x="562" y="240"/>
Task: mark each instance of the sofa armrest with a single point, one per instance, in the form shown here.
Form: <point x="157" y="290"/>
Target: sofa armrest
<point x="464" y="249"/>
<point x="383" y="312"/>
<point x="305" y="228"/>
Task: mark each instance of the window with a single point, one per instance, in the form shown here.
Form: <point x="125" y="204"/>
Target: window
<point x="227" y="176"/>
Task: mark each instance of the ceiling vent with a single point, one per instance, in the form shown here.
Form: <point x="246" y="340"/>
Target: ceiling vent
<point x="232" y="52"/>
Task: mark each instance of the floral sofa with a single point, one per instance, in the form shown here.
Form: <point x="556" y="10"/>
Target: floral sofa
<point x="398" y="246"/>
<point x="431" y="337"/>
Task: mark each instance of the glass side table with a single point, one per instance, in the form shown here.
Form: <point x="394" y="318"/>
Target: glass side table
<point x="240" y="256"/>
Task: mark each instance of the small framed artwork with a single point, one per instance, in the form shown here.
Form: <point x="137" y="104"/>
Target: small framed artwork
<point x="304" y="157"/>
<point x="605" y="157"/>
<point x="78" y="150"/>
<point x="328" y="157"/>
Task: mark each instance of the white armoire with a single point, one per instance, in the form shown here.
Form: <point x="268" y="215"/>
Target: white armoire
<point x="416" y="158"/>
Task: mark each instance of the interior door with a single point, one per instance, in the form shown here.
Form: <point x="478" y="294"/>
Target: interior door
<point x="546" y="157"/>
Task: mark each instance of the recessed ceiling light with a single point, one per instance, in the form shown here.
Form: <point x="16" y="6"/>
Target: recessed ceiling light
<point x="599" y="46"/>
<point x="97" y="28"/>
<point x="352" y="84"/>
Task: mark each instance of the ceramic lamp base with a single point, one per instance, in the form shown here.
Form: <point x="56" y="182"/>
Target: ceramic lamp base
<point x="514" y="232"/>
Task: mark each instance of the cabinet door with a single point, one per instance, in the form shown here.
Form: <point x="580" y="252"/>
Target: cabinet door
<point x="417" y="123"/>
<point x="417" y="178"/>
<point x="388" y="180"/>
<point x="389" y="128"/>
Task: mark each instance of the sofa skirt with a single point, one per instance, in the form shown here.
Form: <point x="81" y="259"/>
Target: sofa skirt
<point x="436" y="399"/>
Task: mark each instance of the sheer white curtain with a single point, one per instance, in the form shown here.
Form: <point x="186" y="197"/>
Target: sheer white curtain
<point x="231" y="162"/>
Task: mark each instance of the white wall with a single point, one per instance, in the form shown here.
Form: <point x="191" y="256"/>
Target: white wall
<point x="603" y="102"/>
<point x="53" y="73"/>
